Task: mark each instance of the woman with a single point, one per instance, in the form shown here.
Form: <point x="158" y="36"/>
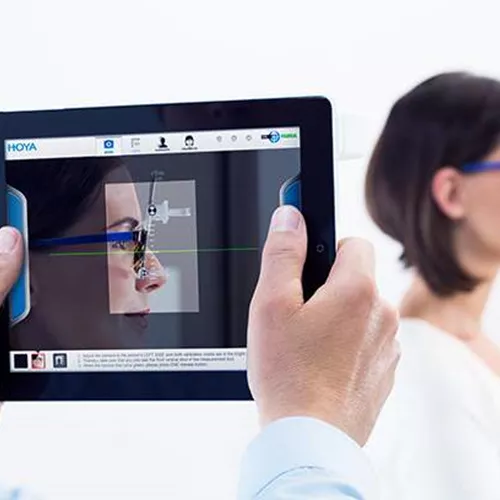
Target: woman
<point x="86" y="292"/>
<point x="433" y="184"/>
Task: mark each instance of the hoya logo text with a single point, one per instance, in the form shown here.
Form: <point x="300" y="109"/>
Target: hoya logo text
<point x="21" y="147"/>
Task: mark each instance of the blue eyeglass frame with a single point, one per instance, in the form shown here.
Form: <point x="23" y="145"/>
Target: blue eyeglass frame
<point x="121" y="236"/>
<point x="139" y="236"/>
<point x="480" y="166"/>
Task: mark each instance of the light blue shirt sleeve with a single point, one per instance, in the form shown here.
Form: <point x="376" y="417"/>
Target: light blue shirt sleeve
<point x="301" y="458"/>
<point x="16" y="494"/>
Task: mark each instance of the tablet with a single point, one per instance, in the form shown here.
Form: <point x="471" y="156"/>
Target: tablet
<point x="143" y="228"/>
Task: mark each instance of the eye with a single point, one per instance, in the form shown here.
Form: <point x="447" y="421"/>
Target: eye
<point x="120" y="245"/>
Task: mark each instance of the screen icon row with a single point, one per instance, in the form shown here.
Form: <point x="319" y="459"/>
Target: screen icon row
<point x="38" y="361"/>
<point x="161" y="143"/>
<point x="135" y="143"/>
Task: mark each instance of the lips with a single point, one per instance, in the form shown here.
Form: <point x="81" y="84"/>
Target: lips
<point x="139" y="319"/>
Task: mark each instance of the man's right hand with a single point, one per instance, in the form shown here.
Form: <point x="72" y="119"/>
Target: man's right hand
<point x="331" y="358"/>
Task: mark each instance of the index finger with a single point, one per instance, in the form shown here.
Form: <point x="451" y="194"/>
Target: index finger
<point x="355" y="256"/>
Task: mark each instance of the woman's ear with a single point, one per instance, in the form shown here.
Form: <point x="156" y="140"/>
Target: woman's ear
<point x="447" y="191"/>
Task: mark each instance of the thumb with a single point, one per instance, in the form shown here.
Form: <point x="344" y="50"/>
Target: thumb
<point x="11" y="256"/>
<point x="283" y="258"/>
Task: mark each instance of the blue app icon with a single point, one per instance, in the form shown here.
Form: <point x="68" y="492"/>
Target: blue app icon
<point x="274" y="136"/>
<point x="109" y="144"/>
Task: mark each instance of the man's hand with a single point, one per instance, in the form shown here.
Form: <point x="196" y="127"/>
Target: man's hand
<point x="333" y="357"/>
<point x="11" y="256"/>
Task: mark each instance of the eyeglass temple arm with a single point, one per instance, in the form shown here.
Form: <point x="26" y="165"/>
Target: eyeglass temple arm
<point x="480" y="166"/>
<point x="122" y="236"/>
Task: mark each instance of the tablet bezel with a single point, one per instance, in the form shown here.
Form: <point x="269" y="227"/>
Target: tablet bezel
<point x="314" y="117"/>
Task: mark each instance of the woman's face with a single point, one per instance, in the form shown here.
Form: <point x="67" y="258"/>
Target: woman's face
<point x="88" y="296"/>
<point x="38" y="361"/>
<point x="128" y="286"/>
<point x="473" y="201"/>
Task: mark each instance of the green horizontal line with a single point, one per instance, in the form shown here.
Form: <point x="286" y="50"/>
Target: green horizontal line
<point x="121" y="252"/>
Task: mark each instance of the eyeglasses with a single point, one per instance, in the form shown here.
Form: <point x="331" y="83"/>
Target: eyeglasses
<point x="480" y="166"/>
<point x="133" y="242"/>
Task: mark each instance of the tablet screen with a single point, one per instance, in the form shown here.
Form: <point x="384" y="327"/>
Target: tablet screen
<point x="143" y="250"/>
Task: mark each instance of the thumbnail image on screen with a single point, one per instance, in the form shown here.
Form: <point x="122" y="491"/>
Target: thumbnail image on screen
<point x="153" y="226"/>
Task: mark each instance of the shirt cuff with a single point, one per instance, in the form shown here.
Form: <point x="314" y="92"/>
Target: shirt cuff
<point x="299" y="442"/>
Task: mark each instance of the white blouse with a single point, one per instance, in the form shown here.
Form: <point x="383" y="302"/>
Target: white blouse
<point x="438" y="437"/>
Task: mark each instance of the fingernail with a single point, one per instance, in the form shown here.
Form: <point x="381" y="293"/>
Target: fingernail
<point x="8" y="239"/>
<point x="285" y="218"/>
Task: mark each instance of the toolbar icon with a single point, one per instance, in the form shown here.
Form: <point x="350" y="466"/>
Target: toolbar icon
<point x="135" y="143"/>
<point x="20" y="361"/>
<point x="60" y="360"/>
<point x="273" y="136"/>
<point x="38" y="361"/>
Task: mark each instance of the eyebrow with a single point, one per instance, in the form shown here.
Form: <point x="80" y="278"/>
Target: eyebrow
<point x="130" y="221"/>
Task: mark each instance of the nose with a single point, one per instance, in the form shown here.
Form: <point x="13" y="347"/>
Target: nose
<point x="154" y="279"/>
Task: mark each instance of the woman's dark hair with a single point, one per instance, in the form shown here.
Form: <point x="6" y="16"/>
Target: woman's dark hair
<point x="59" y="191"/>
<point x="447" y="120"/>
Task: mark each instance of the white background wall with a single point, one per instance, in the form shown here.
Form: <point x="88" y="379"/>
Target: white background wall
<point x="362" y="54"/>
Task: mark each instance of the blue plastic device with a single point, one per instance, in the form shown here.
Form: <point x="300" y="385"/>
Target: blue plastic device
<point x="17" y="216"/>
<point x="290" y="193"/>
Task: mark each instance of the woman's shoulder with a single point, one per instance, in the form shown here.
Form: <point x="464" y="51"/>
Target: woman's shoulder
<point x="437" y="380"/>
<point x="444" y="405"/>
<point x="440" y="413"/>
<point x="438" y="369"/>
